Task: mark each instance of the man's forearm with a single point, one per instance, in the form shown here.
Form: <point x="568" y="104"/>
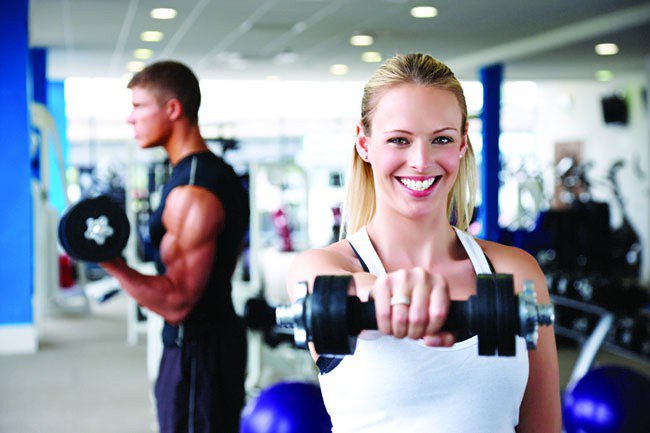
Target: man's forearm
<point x="155" y="292"/>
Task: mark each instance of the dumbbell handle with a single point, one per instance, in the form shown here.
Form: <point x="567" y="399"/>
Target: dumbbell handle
<point x="362" y="316"/>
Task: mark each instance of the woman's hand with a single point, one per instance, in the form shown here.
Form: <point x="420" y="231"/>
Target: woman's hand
<point x="413" y="303"/>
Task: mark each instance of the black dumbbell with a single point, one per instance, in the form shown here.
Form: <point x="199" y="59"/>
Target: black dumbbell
<point x="94" y="230"/>
<point x="331" y="319"/>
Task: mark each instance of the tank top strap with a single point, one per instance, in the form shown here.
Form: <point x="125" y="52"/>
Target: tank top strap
<point x="474" y="251"/>
<point x="363" y="247"/>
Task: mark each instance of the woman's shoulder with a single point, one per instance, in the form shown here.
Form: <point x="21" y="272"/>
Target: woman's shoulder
<point x="338" y="255"/>
<point x="508" y="259"/>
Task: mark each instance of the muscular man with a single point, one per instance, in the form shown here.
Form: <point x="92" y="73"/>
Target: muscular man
<point x="197" y="231"/>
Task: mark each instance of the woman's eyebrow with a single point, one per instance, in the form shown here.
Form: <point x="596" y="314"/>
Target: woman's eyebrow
<point x="400" y="131"/>
<point x="437" y="131"/>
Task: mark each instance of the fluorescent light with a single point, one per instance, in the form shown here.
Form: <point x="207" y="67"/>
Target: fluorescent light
<point x="163" y="13"/>
<point x="135" y="66"/>
<point x="424" y="12"/>
<point x="606" y="49"/>
<point x="339" y="69"/>
<point x="362" y="40"/>
<point x="151" y="36"/>
<point x="143" y="53"/>
<point x="604" y="75"/>
<point x="371" y="56"/>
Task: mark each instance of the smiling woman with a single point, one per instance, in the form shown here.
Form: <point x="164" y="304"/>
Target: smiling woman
<point x="419" y="134"/>
<point x="413" y="171"/>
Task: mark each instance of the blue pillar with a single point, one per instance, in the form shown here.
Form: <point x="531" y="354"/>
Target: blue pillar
<point x="56" y="105"/>
<point x="491" y="77"/>
<point x="38" y="58"/>
<point x="16" y="318"/>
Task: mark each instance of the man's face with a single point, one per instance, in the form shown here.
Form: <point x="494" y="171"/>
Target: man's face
<point x="149" y="118"/>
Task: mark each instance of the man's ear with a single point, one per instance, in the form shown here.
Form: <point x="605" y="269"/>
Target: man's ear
<point x="361" y="143"/>
<point x="174" y="109"/>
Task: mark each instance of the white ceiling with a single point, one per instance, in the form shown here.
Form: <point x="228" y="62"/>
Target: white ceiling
<point x="542" y="39"/>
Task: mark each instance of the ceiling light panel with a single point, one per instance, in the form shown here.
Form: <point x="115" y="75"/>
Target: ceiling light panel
<point x="163" y="13"/>
<point x="604" y="75"/>
<point x="135" y="66"/>
<point x="606" y="49"/>
<point x="371" y="57"/>
<point x="339" y="69"/>
<point x="143" y="53"/>
<point x="152" y="36"/>
<point x="424" y="12"/>
<point x="362" y="40"/>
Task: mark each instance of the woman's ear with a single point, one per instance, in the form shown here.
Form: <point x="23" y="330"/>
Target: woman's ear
<point x="463" y="141"/>
<point x="361" y="143"/>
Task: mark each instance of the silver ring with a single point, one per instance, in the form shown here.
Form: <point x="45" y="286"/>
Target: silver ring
<point x="400" y="300"/>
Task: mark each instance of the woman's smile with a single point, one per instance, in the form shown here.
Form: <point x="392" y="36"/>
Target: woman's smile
<point x="418" y="186"/>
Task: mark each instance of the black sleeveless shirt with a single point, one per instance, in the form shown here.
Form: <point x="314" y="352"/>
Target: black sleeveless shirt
<point x="214" y="309"/>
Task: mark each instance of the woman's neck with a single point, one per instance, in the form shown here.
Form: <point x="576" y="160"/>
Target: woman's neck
<point x="404" y="242"/>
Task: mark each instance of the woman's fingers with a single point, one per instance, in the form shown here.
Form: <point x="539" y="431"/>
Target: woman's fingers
<point x="400" y="300"/>
<point x="381" y="292"/>
<point x="412" y="303"/>
<point x="421" y="282"/>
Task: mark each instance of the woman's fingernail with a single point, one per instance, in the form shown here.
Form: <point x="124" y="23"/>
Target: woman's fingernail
<point x="449" y="340"/>
<point x="435" y="340"/>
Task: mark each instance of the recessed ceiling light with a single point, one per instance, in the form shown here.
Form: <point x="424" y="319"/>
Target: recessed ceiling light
<point x="604" y="75"/>
<point x="371" y="56"/>
<point x="286" y="57"/>
<point x="339" y="69"/>
<point x="362" y="40"/>
<point x="143" y="53"/>
<point x="424" y="12"/>
<point x="606" y="49"/>
<point x="135" y="66"/>
<point x="163" y="13"/>
<point x="151" y="36"/>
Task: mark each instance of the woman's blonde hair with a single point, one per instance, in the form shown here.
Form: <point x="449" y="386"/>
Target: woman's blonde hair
<point x="423" y="70"/>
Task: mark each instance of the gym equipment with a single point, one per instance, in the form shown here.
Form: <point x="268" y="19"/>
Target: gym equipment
<point x="94" y="230"/>
<point x="260" y="316"/>
<point x="286" y="407"/>
<point x="331" y="319"/>
<point x="608" y="399"/>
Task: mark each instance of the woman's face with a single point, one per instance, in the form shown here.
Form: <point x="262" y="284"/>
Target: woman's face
<point x="414" y="148"/>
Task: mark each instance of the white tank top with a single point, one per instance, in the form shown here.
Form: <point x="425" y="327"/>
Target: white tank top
<point x="395" y="385"/>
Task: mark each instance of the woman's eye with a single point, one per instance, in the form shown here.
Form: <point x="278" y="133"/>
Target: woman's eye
<point x="443" y="140"/>
<point x="398" y="140"/>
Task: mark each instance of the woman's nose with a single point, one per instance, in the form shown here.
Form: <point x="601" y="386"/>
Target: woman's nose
<point x="420" y="156"/>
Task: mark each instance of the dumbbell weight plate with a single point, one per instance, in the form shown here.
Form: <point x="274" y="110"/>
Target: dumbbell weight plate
<point x="497" y="315"/>
<point x="74" y="224"/>
<point x="328" y="315"/>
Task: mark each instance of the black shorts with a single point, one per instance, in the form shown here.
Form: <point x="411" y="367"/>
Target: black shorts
<point x="200" y="385"/>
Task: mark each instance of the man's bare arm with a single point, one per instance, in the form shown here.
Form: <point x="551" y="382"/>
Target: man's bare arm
<point x="193" y="217"/>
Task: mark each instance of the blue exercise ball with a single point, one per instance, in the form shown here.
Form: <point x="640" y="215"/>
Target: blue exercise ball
<point x="608" y="399"/>
<point x="287" y="407"/>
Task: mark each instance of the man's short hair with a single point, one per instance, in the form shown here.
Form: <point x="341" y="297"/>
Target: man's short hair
<point x="169" y="79"/>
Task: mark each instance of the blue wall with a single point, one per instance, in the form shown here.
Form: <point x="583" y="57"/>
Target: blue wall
<point x="16" y="216"/>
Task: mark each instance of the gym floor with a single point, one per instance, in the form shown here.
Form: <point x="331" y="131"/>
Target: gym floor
<point x="85" y="378"/>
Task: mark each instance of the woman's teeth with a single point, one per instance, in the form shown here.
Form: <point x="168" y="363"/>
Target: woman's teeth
<point x="417" y="185"/>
